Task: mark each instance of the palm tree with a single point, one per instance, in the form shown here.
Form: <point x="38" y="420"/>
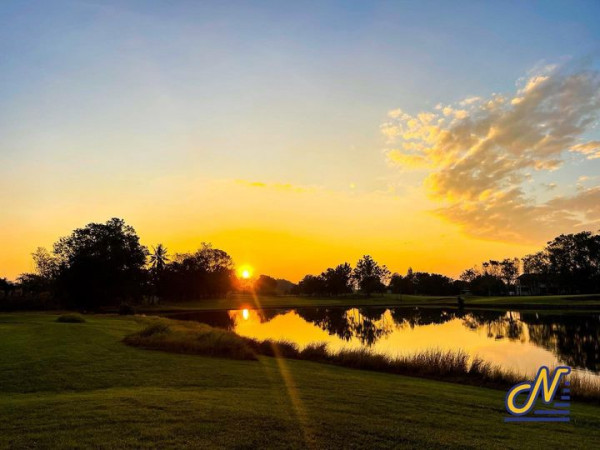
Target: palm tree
<point x="159" y="258"/>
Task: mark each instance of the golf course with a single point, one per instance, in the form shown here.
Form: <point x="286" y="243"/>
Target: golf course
<point x="66" y="385"/>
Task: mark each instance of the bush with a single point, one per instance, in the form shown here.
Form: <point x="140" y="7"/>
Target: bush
<point x="70" y="318"/>
<point x="126" y="309"/>
<point x="192" y="338"/>
<point x="154" y="329"/>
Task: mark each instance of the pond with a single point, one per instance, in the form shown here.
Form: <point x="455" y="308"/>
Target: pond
<point x="520" y="341"/>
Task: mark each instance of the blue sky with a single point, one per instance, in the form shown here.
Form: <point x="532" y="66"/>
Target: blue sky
<point x="103" y="97"/>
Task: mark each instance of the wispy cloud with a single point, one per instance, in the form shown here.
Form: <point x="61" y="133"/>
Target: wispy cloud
<point x="479" y="154"/>
<point x="276" y="186"/>
<point x="590" y="149"/>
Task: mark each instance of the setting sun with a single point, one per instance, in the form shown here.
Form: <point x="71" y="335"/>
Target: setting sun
<point x="245" y="272"/>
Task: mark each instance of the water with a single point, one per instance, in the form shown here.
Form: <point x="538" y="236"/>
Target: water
<point x="518" y="341"/>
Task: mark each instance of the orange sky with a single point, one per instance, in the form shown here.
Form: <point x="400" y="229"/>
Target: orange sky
<point x="281" y="230"/>
<point x="297" y="139"/>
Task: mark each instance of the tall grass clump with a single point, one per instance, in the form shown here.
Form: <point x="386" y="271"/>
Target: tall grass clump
<point x="191" y="338"/>
<point x="70" y="318"/>
<point x="584" y="387"/>
<point x="456" y="367"/>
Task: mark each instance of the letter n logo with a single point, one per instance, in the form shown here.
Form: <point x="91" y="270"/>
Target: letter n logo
<point x="521" y="398"/>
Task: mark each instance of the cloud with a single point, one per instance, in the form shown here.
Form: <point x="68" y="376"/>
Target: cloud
<point x="275" y="186"/>
<point x="590" y="149"/>
<point x="479" y="156"/>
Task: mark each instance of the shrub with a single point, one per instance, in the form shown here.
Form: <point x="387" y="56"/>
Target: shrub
<point x="192" y="338"/>
<point x="154" y="329"/>
<point x="70" y="318"/>
<point x="126" y="309"/>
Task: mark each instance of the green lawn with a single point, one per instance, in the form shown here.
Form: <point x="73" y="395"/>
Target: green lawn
<point x="247" y="301"/>
<point x="77" y="385"/>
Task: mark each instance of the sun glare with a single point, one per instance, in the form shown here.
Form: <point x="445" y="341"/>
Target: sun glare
<point x="245" y="272"/>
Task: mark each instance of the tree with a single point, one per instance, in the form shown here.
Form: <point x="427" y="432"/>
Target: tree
<point x="396" y="283"/>
<point x="568" y="264"/>
<point x="100" y="264"/>
<point x="433" y="284"/>
<point x="207" y="273"/>
<point x="32" y="284"/>
<point x="312" y="285"/>
<point x="159" y="258"/>
<point x="265" y="285"/>
<point x="468" y="275"/>
<point x="370" y="276"/>
<point x="486" y="284"/>
<point x="575" y="261"/>
<point x="509" y="270"/>
<point x="5" y="286"/>
<point x="338" y="280"/>
<point x="46" y="265"/>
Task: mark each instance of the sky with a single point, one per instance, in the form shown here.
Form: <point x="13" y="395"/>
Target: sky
<point x="300" y="135"/>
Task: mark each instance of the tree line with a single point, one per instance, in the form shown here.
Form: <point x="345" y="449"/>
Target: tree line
<point x="568" y="264"/>
<point x="104" y="264"/>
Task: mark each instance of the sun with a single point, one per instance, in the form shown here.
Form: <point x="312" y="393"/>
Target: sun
<point x="245" y="272"/>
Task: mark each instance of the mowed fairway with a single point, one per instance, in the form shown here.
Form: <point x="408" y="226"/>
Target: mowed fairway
<point x="77" y="385"/>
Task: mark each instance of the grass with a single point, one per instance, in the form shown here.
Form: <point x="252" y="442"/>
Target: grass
<point x="190" y="337"/>
<point x="70" y="318"/>
<point x="565" y="302"/>
<point x="200" y="339"/>
<point x="457" y="367"/>
<point x="79" y="386"/>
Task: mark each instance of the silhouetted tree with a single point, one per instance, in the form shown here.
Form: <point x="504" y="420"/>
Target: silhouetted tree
<point x="159" y="257"/>
<point x="46" y="264"/>
<point x="487" y="284"/>
<point x="338" y="281"/>
<point x="396" y="283"/>
<point x="370" y="276"/>
<point x="32" y="284"/>
<point x="433" y="284"/>
<point x="265" y="285"/>
<point x="509" y="270"/>
<point x="568" y="264"/>
<point x="311" y="285"/>
<point x="468" y="275"/>
<point x="286" y="287"/>
<point x="100" y="264"/>
<point x="6" y="287"/>
<point x="206" y="273"/>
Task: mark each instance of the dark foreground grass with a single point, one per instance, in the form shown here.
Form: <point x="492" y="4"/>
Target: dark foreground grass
<point x="79" y="386"/>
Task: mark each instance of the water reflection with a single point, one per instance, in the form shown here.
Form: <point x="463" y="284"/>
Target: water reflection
<point x="521" y="341"/>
